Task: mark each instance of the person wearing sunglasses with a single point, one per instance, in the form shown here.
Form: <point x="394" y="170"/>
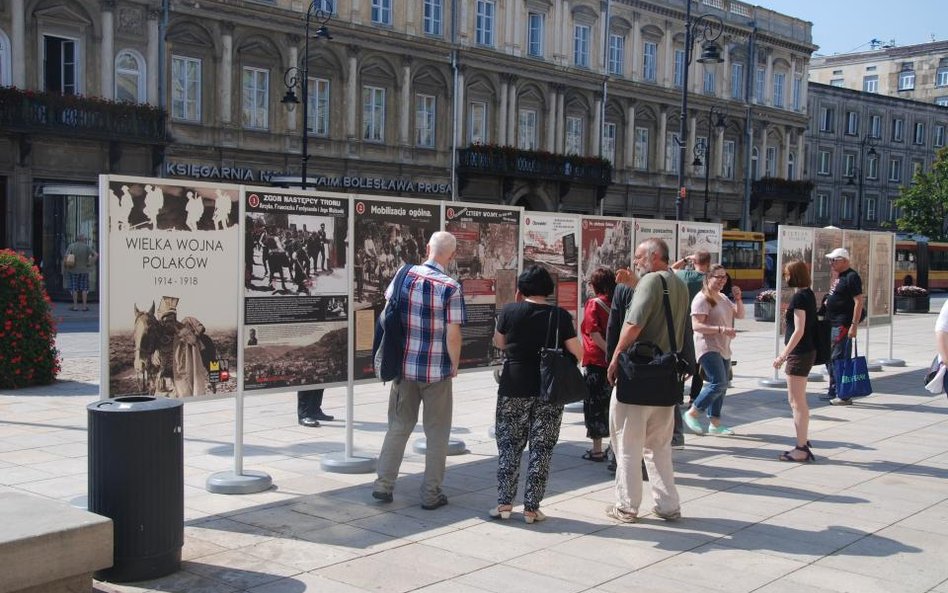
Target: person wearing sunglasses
<point x="712" y="318"/>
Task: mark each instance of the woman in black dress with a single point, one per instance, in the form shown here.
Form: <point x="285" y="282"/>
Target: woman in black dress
<point x="522" y="329"/>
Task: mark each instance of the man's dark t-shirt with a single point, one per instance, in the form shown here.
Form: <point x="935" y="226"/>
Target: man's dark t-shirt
<point x="805" y="301"/>
<point x="840" y="300"/>
<point x="620" y="303"/>
<point x="524" y="325"/>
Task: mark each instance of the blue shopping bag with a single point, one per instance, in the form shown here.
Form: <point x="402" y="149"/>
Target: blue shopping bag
<point x="852" y="375"/>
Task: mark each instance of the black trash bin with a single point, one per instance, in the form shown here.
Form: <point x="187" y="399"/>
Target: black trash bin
<point x="136" y="478"/>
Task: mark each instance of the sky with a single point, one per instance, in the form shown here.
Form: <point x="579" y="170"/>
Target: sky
<point x="845" y="26"/>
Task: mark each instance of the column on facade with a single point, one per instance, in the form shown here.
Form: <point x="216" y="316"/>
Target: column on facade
<point x="18" y="41"/>
<point x="293" y="60"/>
<point x="152" y="57"/>
<point x="512" y="112"/>
<point x="660" y="145"/>
<point x="507" y="41"/>
<point x="517" y="27"/>
<point x="667" y="62"/>
<point x="565" y="33"/>
<point x="793" y="76"/>
<point x="225" y="75"/>
<point x="352" y="82"/>
<point x="804" y="90"/>
<point x="107" y="51"/>
<point x="769" y="78"/>
<point x="410" y="18"/>
<point x="785" y="159"/>
<point x="460" y="108"/>
<point x="800" y="154"/>
<point x="724" y="88"/>
<point x="551" y="119"/>
<point x="596" y="127"/>
<point x="636" y="41"/>
<point x="404" y="110"/>
<point x="630" y="137"/>
<point x="501" y="121"/>
<point x="762" y="155"/>
<point x="355" y="14"/>
<point x="560" y="120"/>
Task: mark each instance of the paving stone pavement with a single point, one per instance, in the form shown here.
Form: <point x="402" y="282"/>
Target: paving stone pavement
<point x="871" y="515"/>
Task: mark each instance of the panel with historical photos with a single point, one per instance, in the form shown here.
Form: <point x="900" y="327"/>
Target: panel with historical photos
<point x="699" y="236"/>
<point x="552" y="241"/>
<point x="666" y="230"/>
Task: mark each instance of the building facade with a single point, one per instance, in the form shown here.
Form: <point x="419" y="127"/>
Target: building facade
<point x="862" y="148"/>
<point x="534" y="103"/>
<point x="916" y="72"/>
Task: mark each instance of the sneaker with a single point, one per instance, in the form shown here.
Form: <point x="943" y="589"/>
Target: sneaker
<point x="692" y="423"/>
<point x="678" y="443"/>
<point x="436" y="504"/>
<point x="383" y="496"/>
<point x="841" y="402"/>
<point x="672" y="516"/>
<point x="720" y="430"/>
<point x="621" y="516"/>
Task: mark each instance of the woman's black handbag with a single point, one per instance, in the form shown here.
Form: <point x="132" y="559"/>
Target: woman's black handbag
<point x="649" y="377"/>
<point x="561" y="381"/>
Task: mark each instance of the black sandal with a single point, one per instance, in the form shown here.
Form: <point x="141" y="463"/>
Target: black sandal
<point x="597" y="456"/>
<point x="786" y="455"/>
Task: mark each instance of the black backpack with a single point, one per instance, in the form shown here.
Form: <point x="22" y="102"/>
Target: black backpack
<point x="388" y="346"/>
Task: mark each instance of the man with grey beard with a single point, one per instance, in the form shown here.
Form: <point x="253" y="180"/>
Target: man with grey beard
<point x="641" y="430"/>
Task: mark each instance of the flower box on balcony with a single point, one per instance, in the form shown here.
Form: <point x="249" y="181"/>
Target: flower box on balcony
<point x="912" y="299"/>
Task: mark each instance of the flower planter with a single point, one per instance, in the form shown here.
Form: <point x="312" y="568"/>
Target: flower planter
<point x="908" y="304"/>
<point x="764" y="311"/>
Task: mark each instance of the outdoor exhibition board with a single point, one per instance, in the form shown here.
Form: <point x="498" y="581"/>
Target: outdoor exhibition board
<point x="882" y="280"/>
<point x="169" y="259"/>
<point x="387" y="233"/>
<point x="699" y="236"/>
<point x="793" y="244"/>
<point x="552" y="241"/>
<point x="486" y="263"/>
<point x="296" y="289"/>
<point x="667" y="230"/>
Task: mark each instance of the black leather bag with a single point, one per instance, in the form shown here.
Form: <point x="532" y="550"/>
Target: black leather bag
<point x="648" y="376"/>
<point x="561" y="381"/>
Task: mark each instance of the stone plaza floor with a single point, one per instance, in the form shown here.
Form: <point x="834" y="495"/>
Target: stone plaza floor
<point x="871" y="515"/>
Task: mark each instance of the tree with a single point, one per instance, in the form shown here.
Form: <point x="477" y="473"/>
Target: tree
<point x="924" y="203"/>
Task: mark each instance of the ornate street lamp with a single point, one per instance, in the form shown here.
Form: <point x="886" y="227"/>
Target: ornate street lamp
<point x="871" y="142"/>
<point x="319" y="11"/>
<point x="706" y="28"/>
<point x="702" y="150"/>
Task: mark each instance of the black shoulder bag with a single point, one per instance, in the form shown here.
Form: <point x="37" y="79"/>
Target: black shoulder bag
<point x="649" y="377"/>
<point x="561" y="381"/>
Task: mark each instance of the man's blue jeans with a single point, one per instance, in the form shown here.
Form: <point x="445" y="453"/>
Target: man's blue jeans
<point x="842" y="348"/>
<point x="711" y="397"/>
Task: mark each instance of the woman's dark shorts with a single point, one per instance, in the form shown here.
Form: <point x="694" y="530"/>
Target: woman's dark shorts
<point x="799" y="365"/>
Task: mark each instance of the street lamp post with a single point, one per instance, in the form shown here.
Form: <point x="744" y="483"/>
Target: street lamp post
<point x="707" y="28"/>
<point x="319" y="11"/>
<point x="703" y="150"/>
<point x="859" y="171"/>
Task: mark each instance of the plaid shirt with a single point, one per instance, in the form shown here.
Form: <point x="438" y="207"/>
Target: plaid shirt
<point x="430" y="301"/>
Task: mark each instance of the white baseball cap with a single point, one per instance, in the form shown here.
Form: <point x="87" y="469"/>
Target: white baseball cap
<point x="838" y="252"/>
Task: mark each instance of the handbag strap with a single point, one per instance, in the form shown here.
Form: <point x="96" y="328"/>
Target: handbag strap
<point x="668" y="314"/>
<point x="556" y="343"/>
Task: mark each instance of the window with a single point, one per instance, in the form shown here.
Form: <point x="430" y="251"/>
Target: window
<point x="895" y="169"/>
<point x="649" y="61"/>
<point x="616" y="54"/>
<point x="425" y="121"/>
<point x="917" y="169"/>
<point x="382" y="12"/>
<point x="847" y="213"/>
<point x="849" y="168"/>
<point x="527" y="130"/>
<point x="759" y="85"/>
<point x="672" y="153"/>
<point x="779" y="82"/>
<point x="728" y="160"/>
<point x="709" y="79"/>
<point x="898" y="130"/>
<point x="701" y="148"/>
<point x="679" y="68"/>
<point x="894" y="211"/>
<point x="755" y="159"/>
<point x="61" y="65"/>
<point x="797" y="92"/>
<point x="839" y="82"/>
<point x="609" y="142"/>
<point x="837" y="72"/>
<point x="919" y="133"/>
<point x="256" y="92"/>
<point x="5" y="60"/>
<point x="823" y="166"/>
<point x="581" y="46"/>
<point x="822" y="206"/>
<point x="373" y="114"/>
<point x="870" y="68"/>
<point x="318" y="123"/>
<point x="875" y="126"/>
<point x="770" y="162"/>
<point x="484" y="34"/>
<point x="737" y="81"/>
<point x="129" y="77"/>
<point x="535" y="34"/>
<point x="852" y="123"/>
<point x="791" y="166"/>
<point x="478" y="126"/>
<point x="906" y="80"/>
<point x="870" y="84"/>
<point x="827" y="119"/>
<point x="641" y="148"/>
<point x="574" y="135"/>
<point x="185" y="88"/>
<point x="871" y="209"/>
<point x="941" y="76"/>
<point x="939" y="136"/>
<point x="872" y="167"/>
<point x="433" y="17"/>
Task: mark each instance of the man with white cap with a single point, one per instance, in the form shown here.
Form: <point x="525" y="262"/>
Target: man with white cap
<point x="844" y="305"/>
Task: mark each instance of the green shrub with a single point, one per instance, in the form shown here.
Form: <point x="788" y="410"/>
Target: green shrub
<point x="28" y="354"/>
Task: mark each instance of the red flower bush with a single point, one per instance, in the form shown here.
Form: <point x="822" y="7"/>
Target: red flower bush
<point x="28" y="354"/>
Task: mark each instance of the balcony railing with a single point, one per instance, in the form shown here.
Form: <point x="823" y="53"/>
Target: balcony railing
<point x="86" y="117"/>
<point x="513" y="162"/>
<point x="775" y="188"/>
